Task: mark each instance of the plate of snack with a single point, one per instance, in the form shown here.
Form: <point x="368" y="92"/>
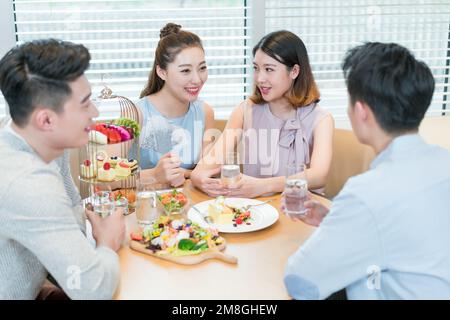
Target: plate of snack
<point x="104" y="168"/>
<point x="234" y="215"/>
<point x="173" y="202"/>
<point x="117" y="131"/>
<point x="181" y="241"/>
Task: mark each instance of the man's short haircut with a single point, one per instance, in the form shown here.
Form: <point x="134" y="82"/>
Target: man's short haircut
<point x="38" y="73"/>
<point x="396" y="87"/>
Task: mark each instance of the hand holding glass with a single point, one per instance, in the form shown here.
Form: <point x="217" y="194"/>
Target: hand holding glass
<point x="103" y="204"/>
<point x="295" y="190"/>
<point x="230" y="172"/>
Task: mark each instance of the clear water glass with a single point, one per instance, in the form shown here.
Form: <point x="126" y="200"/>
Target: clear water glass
<point x="146" y="202"/>
<point x="230" y="173"/>
<point x="103" y="204"/>
<point x="295" y="190"/>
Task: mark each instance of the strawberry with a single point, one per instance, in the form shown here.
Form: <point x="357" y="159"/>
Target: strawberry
<point x="123" y="165"/>
<point x="87" y="162"/>
<point x="106" y="166"/>
<point x="117" y="137"/>
<point x="239" y="220"/>
<point x="100" y="127"/>
<point x="113" y="136"/>
<point x="136" y="236"/>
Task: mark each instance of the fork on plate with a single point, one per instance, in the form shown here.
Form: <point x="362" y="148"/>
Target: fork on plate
<point x="206" y="218"/>
<point x="247" y="207"/>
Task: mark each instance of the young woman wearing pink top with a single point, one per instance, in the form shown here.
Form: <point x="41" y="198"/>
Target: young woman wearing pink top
<point x="280" y="124"/>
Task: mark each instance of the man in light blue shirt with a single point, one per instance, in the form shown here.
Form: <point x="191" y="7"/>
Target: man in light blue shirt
<point x="387" y="234"/>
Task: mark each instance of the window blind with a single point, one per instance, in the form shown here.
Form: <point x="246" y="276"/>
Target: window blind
<point x="122" y="37"/>
<point x="330" y="27"/>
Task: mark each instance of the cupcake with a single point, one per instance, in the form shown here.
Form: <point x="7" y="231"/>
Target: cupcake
<point x="87" y="170"/>
<point x="106" y="173"/>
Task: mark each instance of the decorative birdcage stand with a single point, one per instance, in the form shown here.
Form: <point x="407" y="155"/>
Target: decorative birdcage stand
<point x="110" y="161"/>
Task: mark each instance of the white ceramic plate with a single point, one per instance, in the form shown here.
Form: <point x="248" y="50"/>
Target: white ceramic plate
<point x="263" y="216"/>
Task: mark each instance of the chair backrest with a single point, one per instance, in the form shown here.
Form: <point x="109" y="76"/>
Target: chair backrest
<point x="220" y="124"/>
<point x="350" y="158"/>
<point x="436" y="130"/>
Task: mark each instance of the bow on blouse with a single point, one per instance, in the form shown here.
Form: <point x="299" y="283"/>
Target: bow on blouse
<point x="293" y="138"/>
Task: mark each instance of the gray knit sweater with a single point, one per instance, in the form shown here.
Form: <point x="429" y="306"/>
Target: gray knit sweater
<point x="42" y="229"/>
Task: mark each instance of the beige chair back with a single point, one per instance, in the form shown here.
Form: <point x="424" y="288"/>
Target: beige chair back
<point x="220" y="124"/>
<point x="436" y="130"/>
<point x="350" y="158"/>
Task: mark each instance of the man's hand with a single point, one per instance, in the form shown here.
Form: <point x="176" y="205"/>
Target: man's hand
<point x="109" y="231"/>
<point x="314" y="215"/>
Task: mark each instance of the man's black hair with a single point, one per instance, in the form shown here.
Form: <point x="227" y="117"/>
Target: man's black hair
<point x="37" y="73"/>
<point x="396" y="87"/>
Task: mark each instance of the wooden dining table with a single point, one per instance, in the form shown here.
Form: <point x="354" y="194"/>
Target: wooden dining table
<point x="262" y="256"/>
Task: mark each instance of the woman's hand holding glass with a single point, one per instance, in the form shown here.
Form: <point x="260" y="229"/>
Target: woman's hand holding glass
<point x="204" y="181"/>
<point x="248" y="187"/>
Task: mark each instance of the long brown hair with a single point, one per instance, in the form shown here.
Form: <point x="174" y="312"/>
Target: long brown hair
<point x="172" y="41"/>
<point x="288" y="49"/>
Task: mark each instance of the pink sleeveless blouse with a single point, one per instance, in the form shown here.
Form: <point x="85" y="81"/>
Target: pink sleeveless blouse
<point x="271" y="143"/>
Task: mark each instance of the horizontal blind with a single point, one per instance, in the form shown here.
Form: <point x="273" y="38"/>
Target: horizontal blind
<point x="122" y="37"/>
<point x="3" y="107"/>
<point x="330" y="27"/>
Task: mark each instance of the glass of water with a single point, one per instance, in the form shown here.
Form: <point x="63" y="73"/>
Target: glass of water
<point x="230" y="173"/>
<point x="295" y="190"/>
<point x="146" y="202"/>
<point x="103" y="204"/>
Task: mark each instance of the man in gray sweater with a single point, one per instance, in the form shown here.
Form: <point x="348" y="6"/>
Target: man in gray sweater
<point x="41" y="225"/>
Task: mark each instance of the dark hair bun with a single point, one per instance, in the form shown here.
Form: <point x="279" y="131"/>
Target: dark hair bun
<point x="169" y="29"/>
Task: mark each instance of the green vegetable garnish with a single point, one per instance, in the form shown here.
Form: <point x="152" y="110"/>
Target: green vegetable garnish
<point x="186" y="244"/>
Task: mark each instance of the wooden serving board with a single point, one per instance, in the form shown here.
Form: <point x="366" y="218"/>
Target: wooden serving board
<point x="215" y="253"/>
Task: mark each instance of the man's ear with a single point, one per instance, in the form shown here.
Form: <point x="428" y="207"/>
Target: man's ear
<point x="362" y="110"/>
<point x="43" y="119"/>
<point x="161" y="72"/>
<point x="295" y="71"/>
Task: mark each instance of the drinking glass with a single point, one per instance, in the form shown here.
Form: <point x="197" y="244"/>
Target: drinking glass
<point x="230" y="173"/>
<point x="103" y="204"/>
<point x="295" y="190"/>
<point x="146" y="206"/>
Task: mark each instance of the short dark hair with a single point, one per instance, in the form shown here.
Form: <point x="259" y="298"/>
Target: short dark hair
<point x="288" y="49"/>
<point x="396" y="87"/>
<point x="37" y="73"/>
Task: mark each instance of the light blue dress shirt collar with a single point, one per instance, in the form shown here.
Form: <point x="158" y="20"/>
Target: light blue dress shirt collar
<point x="398" y="145"/>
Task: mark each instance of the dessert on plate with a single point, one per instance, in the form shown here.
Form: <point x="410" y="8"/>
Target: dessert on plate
<point x="122" y="169"/>
<point x="87" y="169"/>
<point x="106" y="173"/>
<point x="221" y="213"/>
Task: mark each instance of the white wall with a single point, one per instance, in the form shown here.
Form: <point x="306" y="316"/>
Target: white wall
<point x="7" y="36"/>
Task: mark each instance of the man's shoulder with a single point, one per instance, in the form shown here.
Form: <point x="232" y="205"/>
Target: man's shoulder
<point x="23" y="171"/>
<point x="402" y="177"/>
